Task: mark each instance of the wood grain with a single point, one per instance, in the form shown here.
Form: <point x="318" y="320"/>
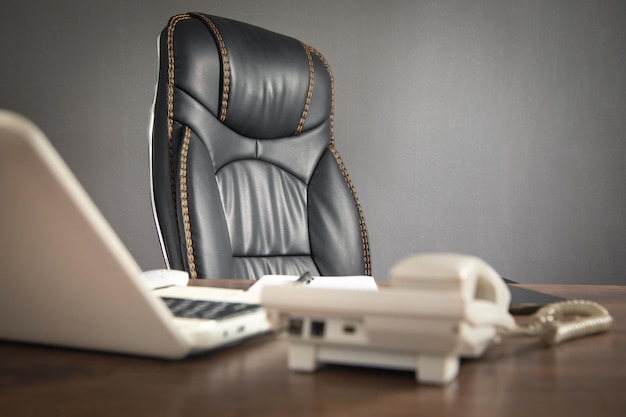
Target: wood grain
<point x="518" y="377"/>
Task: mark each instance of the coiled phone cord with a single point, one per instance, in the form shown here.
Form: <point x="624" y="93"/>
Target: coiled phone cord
<point x="558" y="322"/>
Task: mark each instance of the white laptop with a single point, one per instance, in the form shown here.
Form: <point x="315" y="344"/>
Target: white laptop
<point x="66" y="279"/>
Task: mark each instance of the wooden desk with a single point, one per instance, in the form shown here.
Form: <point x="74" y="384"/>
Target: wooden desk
<point x="519" y="377"/>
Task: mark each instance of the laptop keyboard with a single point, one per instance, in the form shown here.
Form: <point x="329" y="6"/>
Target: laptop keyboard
<point x="207" y="310"/>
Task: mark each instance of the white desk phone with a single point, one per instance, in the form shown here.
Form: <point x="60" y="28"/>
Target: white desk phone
<point x="440" y="307"/>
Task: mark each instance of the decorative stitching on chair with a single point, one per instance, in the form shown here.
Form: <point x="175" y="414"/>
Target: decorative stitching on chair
<point x="170" y="93"/>
<point x="170" y="127"/>
<point x="342" y="168"/>
<point x="309" y="93"/>
<point x="170" y="103"/>
<point x="225" y="64"/>
<point x="170" y="74"/>
<point x="364" y="235"/>
<point x="184" y="204"/>
<point x="332" y="94"/>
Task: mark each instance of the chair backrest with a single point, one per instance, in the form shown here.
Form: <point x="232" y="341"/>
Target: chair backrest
<point x="246" y="179"/>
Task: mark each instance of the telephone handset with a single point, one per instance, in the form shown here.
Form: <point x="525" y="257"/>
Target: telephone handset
<point x="485" y="296"/>
<point x="439" y="308"/>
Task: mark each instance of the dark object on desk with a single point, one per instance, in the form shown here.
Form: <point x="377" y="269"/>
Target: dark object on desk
<point x="305" y="278"/>
<point x="246" y="177"/>
<point x="525" y="301"/>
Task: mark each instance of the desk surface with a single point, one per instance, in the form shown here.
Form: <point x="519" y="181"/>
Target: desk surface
<point x="518" y="377"/>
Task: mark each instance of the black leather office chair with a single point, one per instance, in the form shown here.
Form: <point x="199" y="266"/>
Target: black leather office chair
<point x="245" y="175"/>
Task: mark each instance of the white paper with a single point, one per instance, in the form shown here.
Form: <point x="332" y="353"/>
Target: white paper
<point x="359" y="282"/>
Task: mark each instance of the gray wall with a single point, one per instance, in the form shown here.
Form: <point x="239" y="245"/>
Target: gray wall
<point x="495" y="128"/>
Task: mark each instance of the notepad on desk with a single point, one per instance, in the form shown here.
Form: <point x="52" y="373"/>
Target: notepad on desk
<point x="360" y="282"/>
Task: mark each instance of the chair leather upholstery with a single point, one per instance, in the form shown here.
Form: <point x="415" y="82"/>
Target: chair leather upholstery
<point x="246" y="179"/>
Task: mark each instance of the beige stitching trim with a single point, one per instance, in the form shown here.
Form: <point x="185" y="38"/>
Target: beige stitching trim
<point x="170" y="71"/>
<point x="344" y="171"/>
<point x="170" y="106"/>
<point x="309" y="93"/>
<point x="225" y="65"/>
<point x="184" y="204"/>
<point x="170" y="96"/>
<point x="332" y="94"/>
<point x="364" y="235"/>
<point x="170" y="125"/>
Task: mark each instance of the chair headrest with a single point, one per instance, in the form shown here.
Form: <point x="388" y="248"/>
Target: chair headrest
<point x="272" y="85"/>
